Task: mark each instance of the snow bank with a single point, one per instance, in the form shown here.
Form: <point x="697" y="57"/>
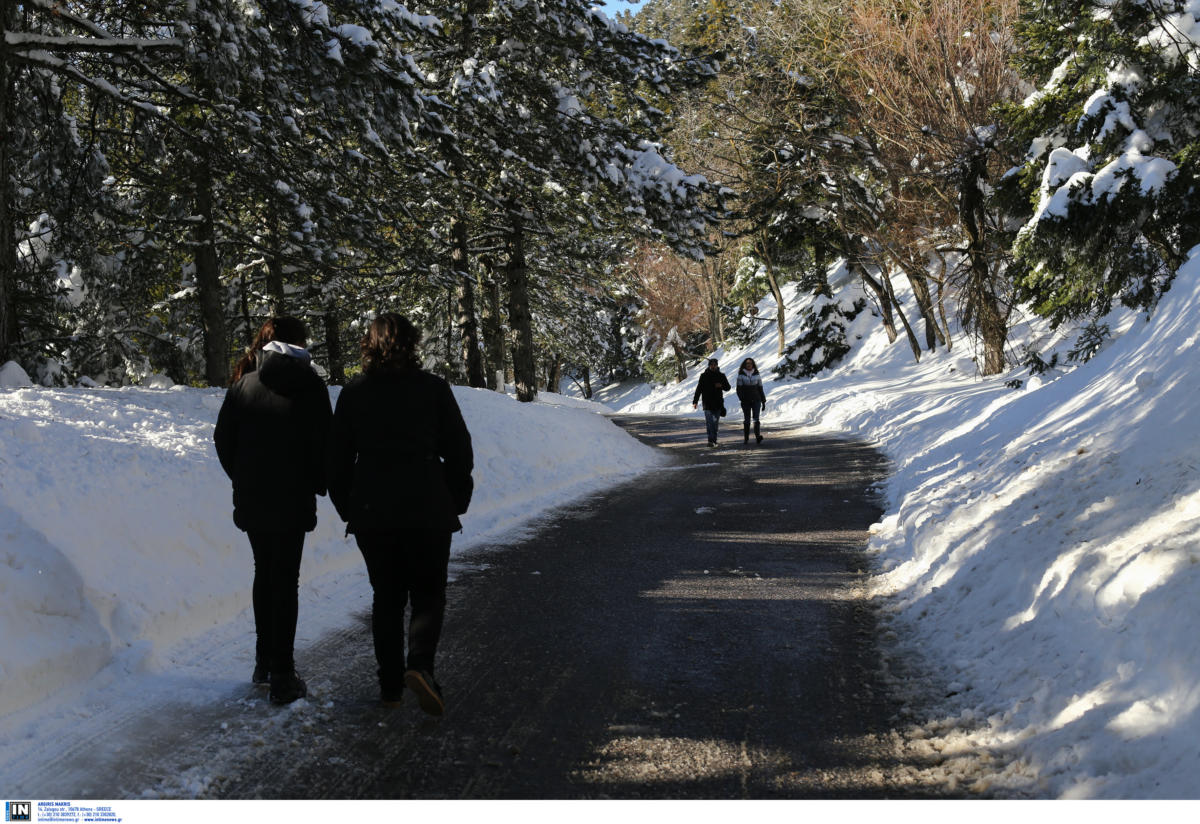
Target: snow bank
<point x="116" y="538"/>
<point x="1041" y="553"/>
<point x="12" y="376"/>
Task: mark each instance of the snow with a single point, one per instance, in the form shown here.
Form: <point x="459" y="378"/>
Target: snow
<point x="1039" y="561"/>
<point x="116" y="538"/>
<point x="12" y="376"/>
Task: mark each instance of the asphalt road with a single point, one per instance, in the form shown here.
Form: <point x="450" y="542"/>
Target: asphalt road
<point x="698" y="632"/>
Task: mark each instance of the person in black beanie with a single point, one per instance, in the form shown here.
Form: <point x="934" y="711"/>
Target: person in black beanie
<point x="711" y="388"/>
<point x="399" y="470"/>
<point x="270" y="438"/>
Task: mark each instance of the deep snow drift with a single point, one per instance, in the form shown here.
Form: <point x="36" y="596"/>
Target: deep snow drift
<point x="1041" y="552"/>
<point x="116" y="537"/>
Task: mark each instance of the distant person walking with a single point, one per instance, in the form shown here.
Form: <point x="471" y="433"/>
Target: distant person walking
<point x="400" y="465"/>
<point x="711" y="388"/>
<point x="270" y="438"/>
<point x="752" y="397"/>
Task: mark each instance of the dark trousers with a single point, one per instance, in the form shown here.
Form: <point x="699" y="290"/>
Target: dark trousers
<point x="750" y="408"/>
<point x="275" y="594"/>
<point x="406" y="565"/>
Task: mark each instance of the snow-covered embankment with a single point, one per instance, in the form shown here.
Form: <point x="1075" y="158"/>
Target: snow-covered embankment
<point x="116" y="538"/>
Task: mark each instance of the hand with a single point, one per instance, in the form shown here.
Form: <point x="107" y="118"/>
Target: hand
<point x="693" y="406"/>
<point x="764" y="408"/>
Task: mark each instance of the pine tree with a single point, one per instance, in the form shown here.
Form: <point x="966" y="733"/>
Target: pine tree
<point x="560" y="135"/>
<point x="48" y="175"/>
<point x="1106" y="188"/>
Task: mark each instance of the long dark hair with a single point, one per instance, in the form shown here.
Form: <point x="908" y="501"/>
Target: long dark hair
<point x="390" y="343"/>
<point x="284" y="329"/>
<point x="753" y="365"/>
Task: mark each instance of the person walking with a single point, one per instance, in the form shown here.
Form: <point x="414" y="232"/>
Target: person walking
<point x="711" y="388"/>
<point x="270" y="438"/>
<point x="399" y="467"/>
<point x="752" y="397"/>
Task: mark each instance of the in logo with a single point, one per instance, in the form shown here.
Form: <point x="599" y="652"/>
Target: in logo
<point x="18" y="811"/>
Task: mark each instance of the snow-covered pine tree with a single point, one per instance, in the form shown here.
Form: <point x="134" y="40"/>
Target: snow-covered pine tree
<point x="558" y="127"/>
<point x="49" y="53"/>
<point x="278" y="181"/>
<point x="1112" y="133"/>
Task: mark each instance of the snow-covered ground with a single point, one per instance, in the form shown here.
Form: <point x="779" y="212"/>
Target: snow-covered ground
<point x="1041" y="550"/>
<point x="117" y="544"/>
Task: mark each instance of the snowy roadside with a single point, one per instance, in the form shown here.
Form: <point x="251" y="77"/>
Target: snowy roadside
<point x="117" y="547"/>
<point x="1041" y="550"/>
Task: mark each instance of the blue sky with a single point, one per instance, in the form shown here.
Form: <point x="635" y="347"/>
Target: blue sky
<point x="614" y="7"/>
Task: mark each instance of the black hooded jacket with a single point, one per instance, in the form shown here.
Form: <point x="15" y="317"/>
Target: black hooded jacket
<point x="271" y="439"/>
<point x="399" y="453"/>
<point x="711" y="388"/>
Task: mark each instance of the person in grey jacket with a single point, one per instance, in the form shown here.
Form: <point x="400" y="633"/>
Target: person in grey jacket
<point x="752" y="397"/>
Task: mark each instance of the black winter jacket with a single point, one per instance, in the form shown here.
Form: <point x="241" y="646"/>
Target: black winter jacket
<point x="270" y="437"/>
<point x="712" y="381"/>
<point x="399" y="453"/>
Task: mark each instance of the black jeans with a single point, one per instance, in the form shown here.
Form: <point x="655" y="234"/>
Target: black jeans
<point x="750" y="408"/>
<point x="276" y="584"/>
<point x="406" y="565"/>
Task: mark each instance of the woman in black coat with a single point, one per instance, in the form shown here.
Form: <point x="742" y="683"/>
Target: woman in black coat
<point x="399" y="474"/>
<point x="271" y="439"/>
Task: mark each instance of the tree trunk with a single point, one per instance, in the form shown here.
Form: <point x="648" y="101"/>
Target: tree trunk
<point x="941" y="302"/>
<point x="8" y="240"/>
<point x="712" y="299"/>
<point x="920" y="287"/>
<point x="493" y="331"/>
<point x="990" y="323"/>
<point x="468" y="326"/>
<point x="680" y="362"/>
<point x="208" y="285"/>
<point x="520" y="320"/>
<point x="587" y="383"/>
<point x="886" y="280"/>
<point x="275" y="294"/>
<point x="553" y="373"/>
<point x="881" y="298"/>
<point x="335" y="357"/>
<point x="775" y="290"/>
<point x="888" y="305"/>
<point x="248" y="330"/>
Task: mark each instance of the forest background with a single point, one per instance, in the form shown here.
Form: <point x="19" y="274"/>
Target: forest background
<point x="552" y="193"/>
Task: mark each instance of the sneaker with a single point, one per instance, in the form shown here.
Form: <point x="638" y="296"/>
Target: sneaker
<point x="712" y="443"/>
<point x="429" y="694"/>
<point x="287" y="688"/>
<point x="759" y="438"/>
<point x="261" y="676"/>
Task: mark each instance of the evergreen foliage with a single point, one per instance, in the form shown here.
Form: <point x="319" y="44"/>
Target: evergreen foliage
<point x="1107" y="187"/>
<point x="822" y="342"/>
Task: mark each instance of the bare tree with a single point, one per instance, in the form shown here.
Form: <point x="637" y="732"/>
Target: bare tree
<point x="926" y="78"/>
